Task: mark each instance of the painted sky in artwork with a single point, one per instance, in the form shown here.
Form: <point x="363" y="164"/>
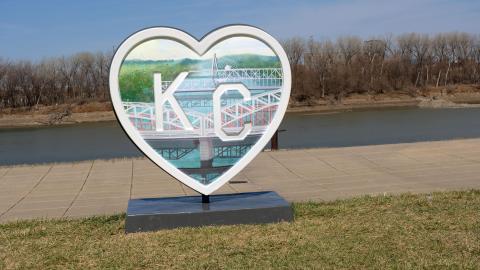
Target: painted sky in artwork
<point x="163" y="49"/>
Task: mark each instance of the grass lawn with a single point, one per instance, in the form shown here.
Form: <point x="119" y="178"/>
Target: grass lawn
<point x="441" y="230"/>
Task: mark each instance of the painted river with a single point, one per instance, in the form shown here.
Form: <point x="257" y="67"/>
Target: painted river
<point x="105" y="140"/>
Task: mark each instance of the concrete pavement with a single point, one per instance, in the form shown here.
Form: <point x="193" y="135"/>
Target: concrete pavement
<point x="105" y="186"/>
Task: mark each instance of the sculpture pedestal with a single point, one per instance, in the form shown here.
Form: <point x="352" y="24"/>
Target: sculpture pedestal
<point x="227" y="209"/>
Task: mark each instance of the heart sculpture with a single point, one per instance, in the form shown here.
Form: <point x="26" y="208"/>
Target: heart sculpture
<point x="201" y="110"/>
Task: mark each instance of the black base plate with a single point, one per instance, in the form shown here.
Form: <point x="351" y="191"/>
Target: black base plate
<point x="189" y="211"/>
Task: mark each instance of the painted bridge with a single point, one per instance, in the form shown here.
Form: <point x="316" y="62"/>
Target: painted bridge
<point x="235" y="112"/>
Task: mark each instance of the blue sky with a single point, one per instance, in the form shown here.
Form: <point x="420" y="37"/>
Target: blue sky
<point x="38" y="29"/>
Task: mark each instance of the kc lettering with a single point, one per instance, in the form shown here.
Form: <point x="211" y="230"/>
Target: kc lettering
<point x="161" y="97"/>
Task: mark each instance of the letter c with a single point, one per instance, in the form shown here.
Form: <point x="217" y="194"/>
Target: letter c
<point x="217" y="114"/>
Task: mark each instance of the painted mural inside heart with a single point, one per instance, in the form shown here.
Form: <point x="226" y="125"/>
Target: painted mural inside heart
<point x="168" y="93"/>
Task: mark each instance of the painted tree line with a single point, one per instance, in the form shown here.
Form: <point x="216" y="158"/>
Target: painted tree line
<point x="319" y="68"/>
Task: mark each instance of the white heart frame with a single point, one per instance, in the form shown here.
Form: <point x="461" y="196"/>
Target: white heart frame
<point x="200" y="47"/>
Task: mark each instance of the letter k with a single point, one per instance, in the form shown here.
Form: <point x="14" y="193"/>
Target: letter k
<point x="162" y="97"/>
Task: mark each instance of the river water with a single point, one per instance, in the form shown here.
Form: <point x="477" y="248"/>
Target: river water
<point x="299" y="130"/>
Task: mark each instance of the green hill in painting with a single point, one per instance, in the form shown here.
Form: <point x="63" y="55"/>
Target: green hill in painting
<point x="136" y="76"/>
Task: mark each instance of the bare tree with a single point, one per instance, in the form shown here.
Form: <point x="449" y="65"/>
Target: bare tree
<point x="349" y="47"/>
<point x="295" y="48"/>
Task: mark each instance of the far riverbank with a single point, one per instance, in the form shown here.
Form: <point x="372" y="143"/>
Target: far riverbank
<point x="65" y="114"/>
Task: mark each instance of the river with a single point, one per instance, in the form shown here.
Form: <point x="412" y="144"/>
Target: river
<point x="104" y="140"/>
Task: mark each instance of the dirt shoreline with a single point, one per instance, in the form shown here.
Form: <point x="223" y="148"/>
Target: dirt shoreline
<point x="102" y="111"/>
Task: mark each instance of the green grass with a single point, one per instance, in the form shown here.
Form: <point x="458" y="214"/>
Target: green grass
<point x="441" y="230"/>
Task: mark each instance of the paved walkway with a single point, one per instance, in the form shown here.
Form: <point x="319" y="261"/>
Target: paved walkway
<point x="104" y="187"/>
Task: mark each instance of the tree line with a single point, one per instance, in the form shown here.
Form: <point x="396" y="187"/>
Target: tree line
<point x="78" y="78"/>
<point x="320" y="68"/>
<point x="406" y="62"/>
